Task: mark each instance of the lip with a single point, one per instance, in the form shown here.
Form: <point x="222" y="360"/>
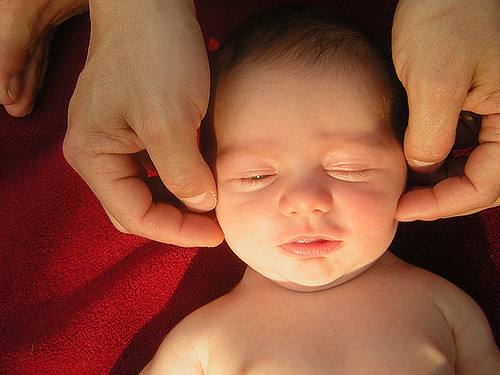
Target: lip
<point x="310" y="247"/>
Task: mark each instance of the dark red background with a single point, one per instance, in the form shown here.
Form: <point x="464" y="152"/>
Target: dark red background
<point x="78" y="297"/>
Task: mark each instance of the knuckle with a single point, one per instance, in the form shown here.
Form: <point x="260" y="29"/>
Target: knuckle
<point x="69" y="148"/>
<point x="155" y="229"/>
<point x="76" y="147"/>
<point x="487" y="190"/>
<point x="119" y="227"/>
<point x="145" y="123"/>
<point x="489" y="198"/>
<point x="158" y="128"/>
<point x="114" y="221"/>
<point x="149" y="226"/>
<point x="167" y="120"/>
<point x="151" y="133"/>
<point x="125" y="225"/>
<point x="487" y="97"/>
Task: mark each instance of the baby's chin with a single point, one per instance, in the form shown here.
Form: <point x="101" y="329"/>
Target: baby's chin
<point x="297" y="287"/>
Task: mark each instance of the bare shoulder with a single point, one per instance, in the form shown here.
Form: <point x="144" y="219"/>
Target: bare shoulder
<point x="449" y="298"/>
<point x="438" y="288"/>
<point x="476" y="350"/>
<point x="184" y="350"/>
<point x="475" y="346"/>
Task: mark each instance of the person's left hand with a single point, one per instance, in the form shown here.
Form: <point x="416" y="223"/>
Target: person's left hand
<point x="447" y="55"/>
<point x="26" y="29"/>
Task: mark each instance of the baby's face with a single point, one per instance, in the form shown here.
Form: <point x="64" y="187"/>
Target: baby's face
<point x="308" y="173"/>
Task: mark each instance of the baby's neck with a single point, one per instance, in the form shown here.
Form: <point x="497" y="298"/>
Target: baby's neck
<point x="252" y="278"/>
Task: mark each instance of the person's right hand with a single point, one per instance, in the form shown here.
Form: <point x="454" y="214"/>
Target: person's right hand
<point x="145" y="86"/>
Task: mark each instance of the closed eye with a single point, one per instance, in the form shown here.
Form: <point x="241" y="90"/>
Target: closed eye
<point x="253" y="180"/>
<point x="349" y="175"/>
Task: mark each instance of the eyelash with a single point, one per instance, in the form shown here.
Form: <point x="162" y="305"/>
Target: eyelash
<point x="258" y="179"/>
<point x="350" y="173"/>
<point x="254" y="180"/>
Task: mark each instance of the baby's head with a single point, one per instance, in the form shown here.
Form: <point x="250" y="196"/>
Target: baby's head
<point x="307" y="158"/>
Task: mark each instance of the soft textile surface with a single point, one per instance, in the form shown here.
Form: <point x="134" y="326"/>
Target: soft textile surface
<point x="78" y="297"/>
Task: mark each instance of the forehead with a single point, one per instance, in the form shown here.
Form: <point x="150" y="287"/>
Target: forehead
<point x="260" y="101"/>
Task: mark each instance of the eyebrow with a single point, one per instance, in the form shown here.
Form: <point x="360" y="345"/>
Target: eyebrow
<point x="271" y="147"/>
<point x="247" y="149"/>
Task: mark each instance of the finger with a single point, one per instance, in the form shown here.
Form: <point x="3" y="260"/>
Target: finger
<point x="11" y="77"/>
<point x="477" y="189"/>
<point x="14" y="52"/>
<point x="434" y="108"/>
<point x="115" y="222"/>
<point x="35" y="69"/>
<point x="21" y="24"/>
<point x="479" y="209"/>
<point x="413" y="206"/>
<point x="116" y="181"/>
<point x="182" y="168"/>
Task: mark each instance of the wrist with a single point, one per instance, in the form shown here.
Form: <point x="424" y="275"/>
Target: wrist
<point x="117" y="23"/>
<point x="120" y="12"/>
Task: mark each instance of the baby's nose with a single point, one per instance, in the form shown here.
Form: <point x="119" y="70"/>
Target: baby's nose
<point x="306" y="200"/>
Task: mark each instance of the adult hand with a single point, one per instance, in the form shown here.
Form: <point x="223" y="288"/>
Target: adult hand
<point x="26" y="29"/>
<point x="447" y="55"/>
<point x="145" y="86"/>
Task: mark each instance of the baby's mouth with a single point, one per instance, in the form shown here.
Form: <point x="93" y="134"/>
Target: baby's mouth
<point x="310" y="247"/>
<point x="308" y="240"/>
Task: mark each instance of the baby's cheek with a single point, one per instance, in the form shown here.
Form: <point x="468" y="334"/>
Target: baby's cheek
<point x="372" y="213"/>
<point x="242" y="219"/>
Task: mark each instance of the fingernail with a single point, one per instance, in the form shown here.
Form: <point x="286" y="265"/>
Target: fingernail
<point x="201" y="203"/>
<point x="424" y="166"/>
<point x="15" y="87"/>
<point x="418" y="163"/>
<point x="405" y="219"/>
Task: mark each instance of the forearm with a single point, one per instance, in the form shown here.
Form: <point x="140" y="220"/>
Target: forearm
<point x="125" y="22"/>
<point x="113" y="11"/>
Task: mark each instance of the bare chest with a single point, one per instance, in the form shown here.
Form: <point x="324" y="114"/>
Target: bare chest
<point x="349" y="334"/>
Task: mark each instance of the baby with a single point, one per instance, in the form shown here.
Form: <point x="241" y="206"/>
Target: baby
<point x="309" y="167"/>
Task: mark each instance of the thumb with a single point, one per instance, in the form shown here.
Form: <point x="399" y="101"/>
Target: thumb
<point x="183" y="170"/>
<point x="13" y="57"/>
<point x="434" y="109"/>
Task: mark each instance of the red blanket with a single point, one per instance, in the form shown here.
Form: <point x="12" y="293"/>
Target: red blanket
<point x="78" y="297"/>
